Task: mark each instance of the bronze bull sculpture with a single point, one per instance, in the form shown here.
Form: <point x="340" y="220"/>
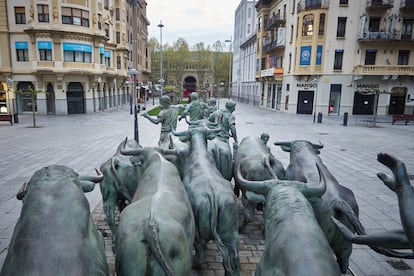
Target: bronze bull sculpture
<point x="156" y="231"/>
<point x="337" y="201"/>
<point x="121" y="174"/>
<point x="396" y="239"/>
<point x="212" y="199"/>
<point x="55" y="233"/>
<point x="294" y="242"/>
<point x="254" y="161"/>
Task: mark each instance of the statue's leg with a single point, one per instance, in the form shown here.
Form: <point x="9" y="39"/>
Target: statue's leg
<point x="109" y="199"/>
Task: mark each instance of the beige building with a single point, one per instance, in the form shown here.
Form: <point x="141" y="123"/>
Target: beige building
<point x="78" y="51"/>
<point x="336" y="56"/>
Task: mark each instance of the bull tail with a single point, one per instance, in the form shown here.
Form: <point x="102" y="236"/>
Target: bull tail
<point x="213" y="225"/>
<point x="344" y="208"/>
<point x="151" y="235"/>
<point x="119" y="185"/>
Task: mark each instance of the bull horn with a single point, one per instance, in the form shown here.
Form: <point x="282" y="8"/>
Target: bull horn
<point x="286" y="146"/>
<point x="310" y="192"/>
<point x="317" y="147"/>
<point x="256" y="186"/>
<point x="22" y="192"/>
<point x="94" y="179"/>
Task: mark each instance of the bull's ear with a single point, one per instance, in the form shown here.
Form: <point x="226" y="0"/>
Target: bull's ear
<point x="22" y="192"/>
<point x="286" y="148"/>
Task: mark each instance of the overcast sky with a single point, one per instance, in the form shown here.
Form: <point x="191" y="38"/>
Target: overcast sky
<point x="196" y="21"/>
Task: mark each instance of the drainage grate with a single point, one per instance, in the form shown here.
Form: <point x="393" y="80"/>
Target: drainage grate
<point x="323" y="133"/>
<point x="400" y="265"/>
<point x="411" y="176"/>
<point x="249" y="123"/>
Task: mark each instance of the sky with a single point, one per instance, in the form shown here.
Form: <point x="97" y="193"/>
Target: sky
<point x="196" y="21"/>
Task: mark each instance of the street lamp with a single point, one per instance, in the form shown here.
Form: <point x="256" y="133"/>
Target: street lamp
<point x="13" y="111"/>
<point x="229" y="40"/>
<point x="161" y="77"/>
<point x="133" y="71"/>
<point x="220" y="91"/>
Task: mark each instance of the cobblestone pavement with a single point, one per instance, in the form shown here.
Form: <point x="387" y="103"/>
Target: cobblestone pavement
<point x="84" y="141"/>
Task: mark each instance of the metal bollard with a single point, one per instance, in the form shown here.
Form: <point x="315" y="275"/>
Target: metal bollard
<point x="345" y="118"/>
<point x="319" y="117"/>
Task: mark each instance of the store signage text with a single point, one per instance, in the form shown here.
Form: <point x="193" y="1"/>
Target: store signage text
<point x="306" y="85"/>
<point x="267" y="73"/>
<point x="368" y="85"/>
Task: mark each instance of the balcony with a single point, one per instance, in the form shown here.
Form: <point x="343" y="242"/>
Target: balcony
<point x="381" y="70"/>
<point x="379" y="5"/>
<point x="302" y="6"/>
<point x="407" y="6"/>
<point x="274" y="21"/>
<point x="378" y="36"/>
<point x="274" y="45"/>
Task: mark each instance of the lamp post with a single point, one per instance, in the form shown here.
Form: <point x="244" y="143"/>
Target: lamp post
<point x="229" y="40"/>
<point x="220" y="90"/>
<point x="13" y="111"/>
<point x="161" y="72"/>
<point x="133" y="71"/>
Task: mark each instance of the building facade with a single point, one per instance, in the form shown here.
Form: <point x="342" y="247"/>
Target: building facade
<point x="335" y="56"/>
<point x="245" y="88"/>
<point x="76" y="51"/>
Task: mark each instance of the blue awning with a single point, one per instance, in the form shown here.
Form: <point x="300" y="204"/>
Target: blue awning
<point x="107" y="54"/>
<point x="44" y="45"/>
<point x="77" y="47"/>
<point x="101" y="50"/>
<point x="339" y="51"/>
<point x="21" y="45"/>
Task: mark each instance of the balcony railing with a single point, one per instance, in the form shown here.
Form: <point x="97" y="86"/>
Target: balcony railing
<point x="379" y="4"/>
<point x="272" y="46"/>
<point x="302" y="6"/>
<point x="384" y="70"/>
<point x="274" y="21"/>
<point x="379" y="36"/>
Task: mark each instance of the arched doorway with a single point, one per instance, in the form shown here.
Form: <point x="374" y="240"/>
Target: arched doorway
<point x="190" y="85"/>
<point x="75" y="98"/>
<point x="50" y="99"/>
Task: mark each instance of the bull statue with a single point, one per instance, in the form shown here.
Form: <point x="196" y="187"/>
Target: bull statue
<point x="121" y="174"/>
<point x="337" y="201"/>
<point x="294" y="242"/>
<point x="212" y="199"/>
<point x="55" y="233"/>
<point x="156" y="231"/>
<point x="254" y="161"/>
<point x="396" y="239"/>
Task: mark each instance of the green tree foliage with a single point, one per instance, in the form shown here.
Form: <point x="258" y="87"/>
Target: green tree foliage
<point x="30" y="91"/>
<point x="206" y="61"/>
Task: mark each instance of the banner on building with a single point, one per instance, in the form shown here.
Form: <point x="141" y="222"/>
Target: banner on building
<point x="305" y="55"/>
<point x="319" y="55"/>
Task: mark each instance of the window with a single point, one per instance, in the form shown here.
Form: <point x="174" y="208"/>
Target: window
<point x="22" y="50"/>
<point x="370" y="55"/>
<point x="340" y="31"/>
<point x="118" y="62"/>
<point x="117" y="14"/>
<point x="107" y="30"/>
<point x="343" y="2"/>
<point x="321" y="24"/>
<point x="118" y="37"/>
<point x="339" y="55"/>
<point x="22" y="54"/>
<point x="374" y="24"/>
<point x="45" y="50"/>
<point x="77" y="52"/>
<point x="99" y="21"/>
<point x="20" y="15"/>
<point x="106" y="4"/>
<point x="45" y="54"/>
<point x="107" y="55"/>
<point x="307" y="27"/>
<point x="43" y="13"/>
<point x="76" y="17"/>
<point x="403" y="56"/>
<point x="407" y="28"/>
<point x="313" y="4"/>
